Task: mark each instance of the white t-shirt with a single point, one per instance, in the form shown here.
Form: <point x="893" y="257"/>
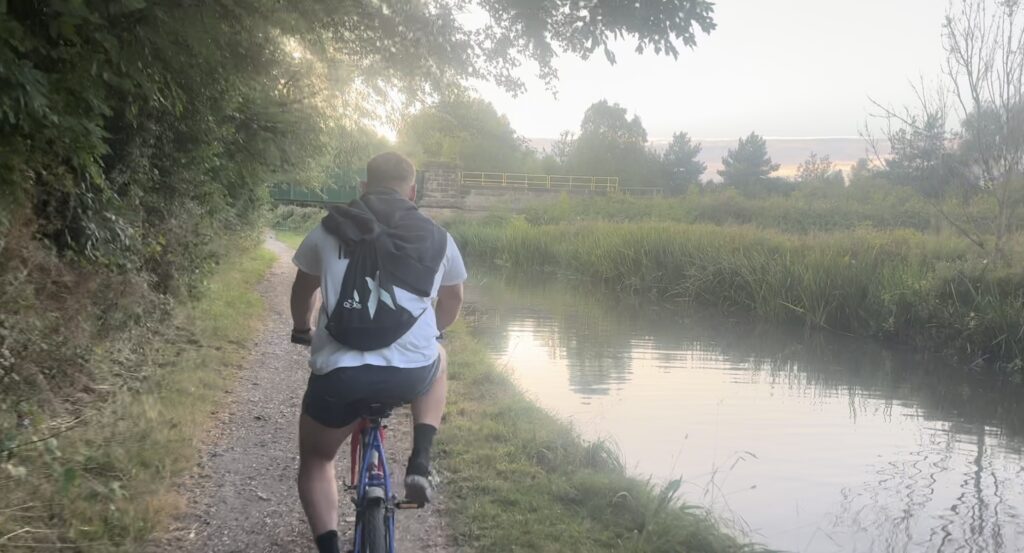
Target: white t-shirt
<point x="318" y="255"/>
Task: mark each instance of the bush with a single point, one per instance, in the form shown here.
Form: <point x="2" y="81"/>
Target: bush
<point x="296" y="219"/>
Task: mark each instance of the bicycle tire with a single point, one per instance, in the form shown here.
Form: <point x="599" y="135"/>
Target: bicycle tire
<point x="375" y="535"/>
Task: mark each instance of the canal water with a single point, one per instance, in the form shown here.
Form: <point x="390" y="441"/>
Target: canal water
<point x="800" y="442"/>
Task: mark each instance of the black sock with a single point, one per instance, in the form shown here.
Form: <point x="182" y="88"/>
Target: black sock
<point x="327" y="542"/>
<point x="422" y="440"/>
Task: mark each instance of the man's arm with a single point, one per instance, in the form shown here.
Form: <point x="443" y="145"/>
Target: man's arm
<point x="449" y="303"/>
<point x="303" y="292"/>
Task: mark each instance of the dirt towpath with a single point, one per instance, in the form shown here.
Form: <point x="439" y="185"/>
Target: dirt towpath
<point x="242" y="497"/>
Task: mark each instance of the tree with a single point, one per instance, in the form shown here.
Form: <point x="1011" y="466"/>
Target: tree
<point x="861" y="170"/>
<point x="609" y="124"/>
<point x="920" y="155"/>
<point x="562" y="148"/>
<point x="819" y="171"/>
<point x="612" y="144"/>
<point x="468" y="131"/>
<point x="748" y="165"/>
<point x="984" y="69"/>
<point x="681" y="163"/>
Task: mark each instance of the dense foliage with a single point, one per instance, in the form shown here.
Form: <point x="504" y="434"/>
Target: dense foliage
<point x="466" y="131"/>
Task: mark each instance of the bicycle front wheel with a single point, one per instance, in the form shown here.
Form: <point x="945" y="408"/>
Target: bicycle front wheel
<point x="375" y="537"/>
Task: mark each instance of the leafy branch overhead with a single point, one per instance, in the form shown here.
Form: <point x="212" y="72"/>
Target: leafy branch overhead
<point x="123" y="118"/>
<point x="539" y="30"/>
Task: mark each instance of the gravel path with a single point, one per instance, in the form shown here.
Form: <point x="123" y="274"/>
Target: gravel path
<point x="242" y="495"/>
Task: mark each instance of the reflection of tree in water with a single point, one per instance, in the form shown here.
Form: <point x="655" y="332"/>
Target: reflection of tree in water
<point x="827" y="365"/>
<point x="597" y="352"/>
<point x="599" y="338"/>
<point x="577" y="328"/>
<point x="947" y="496"/>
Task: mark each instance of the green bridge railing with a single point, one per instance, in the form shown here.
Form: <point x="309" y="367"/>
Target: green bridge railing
<point x="342" y="187"/>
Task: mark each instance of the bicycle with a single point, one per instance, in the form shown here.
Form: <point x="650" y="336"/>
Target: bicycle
<point x="374" y="501"/>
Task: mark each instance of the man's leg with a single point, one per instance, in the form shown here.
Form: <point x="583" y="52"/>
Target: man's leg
<point x="427" y="411"/>
<point x="318" y="489"/>
<point x="428" y="408"/>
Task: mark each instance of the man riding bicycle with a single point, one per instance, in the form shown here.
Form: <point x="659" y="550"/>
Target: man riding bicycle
<point x="391" y="281"/>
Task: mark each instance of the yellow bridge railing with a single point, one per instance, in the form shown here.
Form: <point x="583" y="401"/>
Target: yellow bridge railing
<point x="549" y="182"/>
<point x="643" y="191"/>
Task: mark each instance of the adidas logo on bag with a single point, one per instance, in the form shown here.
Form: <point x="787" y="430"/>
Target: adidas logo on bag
<point x="377" y="294"/>
<point x="354" y="302"/>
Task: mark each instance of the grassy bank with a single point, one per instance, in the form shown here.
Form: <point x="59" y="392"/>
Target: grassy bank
<point x="517" y="479"/>
<point x="805" y="211"/>
<point x="100" y="481"/>
<point x="900" y="285"/>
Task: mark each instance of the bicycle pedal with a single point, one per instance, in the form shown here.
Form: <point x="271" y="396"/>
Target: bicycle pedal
<point x="406" y="504"/>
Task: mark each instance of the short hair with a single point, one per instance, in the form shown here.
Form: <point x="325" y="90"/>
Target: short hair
<point x="390" y="170"/>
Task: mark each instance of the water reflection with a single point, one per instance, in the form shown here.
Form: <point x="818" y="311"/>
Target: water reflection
<point x="807" y="441"/>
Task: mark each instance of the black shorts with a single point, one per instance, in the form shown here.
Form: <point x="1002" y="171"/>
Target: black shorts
<point x="337" y="398"/>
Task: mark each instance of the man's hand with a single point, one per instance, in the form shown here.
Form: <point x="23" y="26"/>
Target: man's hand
<point x="302" y="337"/>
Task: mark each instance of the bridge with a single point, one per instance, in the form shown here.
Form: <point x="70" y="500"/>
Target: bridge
<point x="453" y="188"/>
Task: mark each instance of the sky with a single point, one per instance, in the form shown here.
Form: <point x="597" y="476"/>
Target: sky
<point x="782" y="68"/>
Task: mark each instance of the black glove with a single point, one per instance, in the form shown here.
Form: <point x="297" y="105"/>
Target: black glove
<point x="302" y="337"/>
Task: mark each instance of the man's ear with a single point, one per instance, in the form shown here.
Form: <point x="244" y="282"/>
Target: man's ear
<point x="362" y="187"/>
<point x="412" y="193"/>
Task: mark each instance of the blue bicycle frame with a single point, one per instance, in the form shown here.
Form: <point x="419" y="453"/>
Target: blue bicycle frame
<point x="374" y="482"/>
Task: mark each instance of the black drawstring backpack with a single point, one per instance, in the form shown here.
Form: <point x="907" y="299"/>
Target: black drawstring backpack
<point x="388" y="243"/>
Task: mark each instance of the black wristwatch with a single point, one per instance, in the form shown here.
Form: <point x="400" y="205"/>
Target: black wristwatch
<point x="302" y="337"/>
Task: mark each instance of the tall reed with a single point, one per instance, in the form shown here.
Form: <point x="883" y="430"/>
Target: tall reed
<point x="812" y="210"/>
<point x="898" y="285"/>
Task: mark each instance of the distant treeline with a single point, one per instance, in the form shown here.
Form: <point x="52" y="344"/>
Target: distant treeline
<point x="471" y="133"/>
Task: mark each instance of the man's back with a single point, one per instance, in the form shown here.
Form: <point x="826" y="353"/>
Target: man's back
<point x="322" y="254"/>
